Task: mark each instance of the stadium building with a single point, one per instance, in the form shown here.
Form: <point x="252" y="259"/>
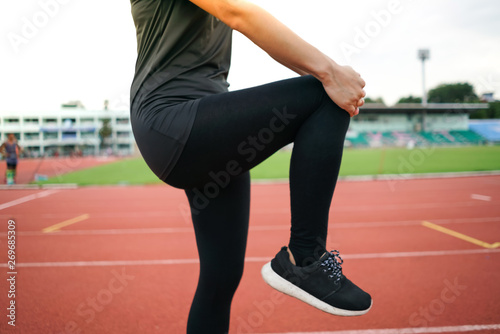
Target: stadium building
<point x="69" y="131"/>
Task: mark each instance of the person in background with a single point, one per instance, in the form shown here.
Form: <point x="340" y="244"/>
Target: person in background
<point x="11" y="150"/>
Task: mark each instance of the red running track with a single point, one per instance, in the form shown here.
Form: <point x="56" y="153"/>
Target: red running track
<point x="127" y="263"/>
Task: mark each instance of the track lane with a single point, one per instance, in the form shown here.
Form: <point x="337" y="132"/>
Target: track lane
<point x="367" y="217"/>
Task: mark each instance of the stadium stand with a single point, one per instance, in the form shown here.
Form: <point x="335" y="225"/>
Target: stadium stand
<point x="423" y="138"/>
<point x="412" y="125"/>
<point x="489" y="129"/>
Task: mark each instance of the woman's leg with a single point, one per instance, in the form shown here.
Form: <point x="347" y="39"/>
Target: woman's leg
<point x="221" y="235"/>
<point x="234" y="132"/>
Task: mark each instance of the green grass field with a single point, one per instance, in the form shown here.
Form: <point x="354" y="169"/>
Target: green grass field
<point x="355" y="162"/>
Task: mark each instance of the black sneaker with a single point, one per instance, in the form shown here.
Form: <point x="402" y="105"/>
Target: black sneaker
<point x="320" y="284"/>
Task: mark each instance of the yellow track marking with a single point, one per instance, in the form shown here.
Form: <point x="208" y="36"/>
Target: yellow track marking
<point x="57" y="227"/>
<point x="460" y="235"/>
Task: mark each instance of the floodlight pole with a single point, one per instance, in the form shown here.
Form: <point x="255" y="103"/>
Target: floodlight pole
<point x="423" y="55"/>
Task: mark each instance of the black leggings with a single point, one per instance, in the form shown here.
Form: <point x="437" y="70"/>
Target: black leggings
<point x="232" y="133"/>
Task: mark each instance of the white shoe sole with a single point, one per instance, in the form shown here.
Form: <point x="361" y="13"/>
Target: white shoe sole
<point x="282" y="285"/>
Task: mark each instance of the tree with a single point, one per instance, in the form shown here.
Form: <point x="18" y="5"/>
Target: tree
<point x="410" y="99"/>
<point x="105" y="131"/>
<point x="377" y="100"/>
<point x="493" y="111"/>
<point x="453" y="93"/>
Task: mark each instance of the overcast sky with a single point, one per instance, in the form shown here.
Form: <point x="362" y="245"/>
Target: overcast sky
<point x="53" y="51"/>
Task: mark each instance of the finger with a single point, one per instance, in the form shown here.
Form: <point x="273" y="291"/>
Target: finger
<point x="350" y="109"/>
<point x="361" y="102"/>
<point x="362" y="82"/>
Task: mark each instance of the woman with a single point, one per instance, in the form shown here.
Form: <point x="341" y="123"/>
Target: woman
<point x="197" y="136"/>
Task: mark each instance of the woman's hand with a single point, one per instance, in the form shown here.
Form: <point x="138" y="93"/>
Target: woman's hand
<point x="345" y="88"/>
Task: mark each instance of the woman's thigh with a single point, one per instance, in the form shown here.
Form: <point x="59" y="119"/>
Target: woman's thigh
<point x="235" y="131"/>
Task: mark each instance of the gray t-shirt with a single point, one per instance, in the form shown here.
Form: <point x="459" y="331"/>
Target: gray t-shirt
<point x="183" y="54"/>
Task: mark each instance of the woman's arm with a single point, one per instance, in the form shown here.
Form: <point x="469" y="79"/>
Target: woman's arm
<point x="342" y="83"/>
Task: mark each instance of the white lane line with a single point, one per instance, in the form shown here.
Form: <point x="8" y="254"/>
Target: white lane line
<point x="381" y="207"/>
<point x="481" y="197"/>
<point x="415" y="330"/>
<point x="333" y="226"/>
<point x="27" y="198"/>
<point x="419" y="254"/>
<point x="248" y="259"/>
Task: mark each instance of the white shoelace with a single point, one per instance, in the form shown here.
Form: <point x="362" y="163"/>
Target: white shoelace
<point x="333" y="264"/>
